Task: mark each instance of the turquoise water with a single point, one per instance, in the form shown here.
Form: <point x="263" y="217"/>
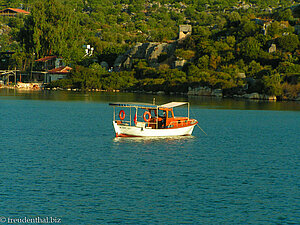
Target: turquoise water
<point x="59" y="158"/>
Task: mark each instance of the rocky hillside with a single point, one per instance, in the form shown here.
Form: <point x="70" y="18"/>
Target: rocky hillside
<point x="154" y="53"/>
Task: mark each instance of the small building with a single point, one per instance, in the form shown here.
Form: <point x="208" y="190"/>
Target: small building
<point x="179" y="64"/>
<point x="48" y="63"/>
<point x="272" y="48"/>
<point x="11" y="12"/>
<point x="57" y="74"/>
<point x="50" y="68"/>
<point x="184" y="31"/>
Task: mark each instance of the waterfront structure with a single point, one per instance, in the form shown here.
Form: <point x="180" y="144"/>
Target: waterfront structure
<point x="50" y="68"/>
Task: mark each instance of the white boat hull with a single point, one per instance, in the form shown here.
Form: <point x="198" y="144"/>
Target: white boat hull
<point x="135" y="131"/>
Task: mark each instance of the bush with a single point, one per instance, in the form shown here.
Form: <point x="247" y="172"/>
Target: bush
<point x="291" y="91"/>
<point x="272" y="85"/>
<point x="288" y="42"/>
<point x="185" y="54"/>
<point x="63" y="83"/>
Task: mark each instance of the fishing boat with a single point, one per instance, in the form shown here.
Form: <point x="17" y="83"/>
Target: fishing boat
<point x="150" y="120"/>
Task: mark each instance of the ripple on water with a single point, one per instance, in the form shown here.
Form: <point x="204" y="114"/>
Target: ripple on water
<point x="61" y="159"/>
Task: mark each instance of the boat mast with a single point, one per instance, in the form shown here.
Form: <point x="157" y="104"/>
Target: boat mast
<point x="156" y="117"/>
<point x="188" y="110"/>
<point x="130" y="117"/>
<point x="114" y="114"/>
<point x="136" y="114"/>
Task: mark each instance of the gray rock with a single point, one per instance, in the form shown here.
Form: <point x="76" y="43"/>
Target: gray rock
<point x="205" y="91"/>
<point x="217" y="93"/>
<point x="148" y="51"/>
<point x="252" y="96"/>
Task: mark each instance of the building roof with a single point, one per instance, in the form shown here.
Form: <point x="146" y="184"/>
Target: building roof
<point x="14" y="10"/>
<point x="46" y="58"/>
<point x="61" y="70"/>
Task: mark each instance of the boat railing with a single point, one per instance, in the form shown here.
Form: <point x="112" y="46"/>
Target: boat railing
<point x="155" y="125"/>
<point x="123" y="122"/>
<point x="182" y="123"/>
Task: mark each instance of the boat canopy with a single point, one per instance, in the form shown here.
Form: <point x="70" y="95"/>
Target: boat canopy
<point x="132" y="104"/>
<point x="147" y="105"/>
<point x="173" y="104"/>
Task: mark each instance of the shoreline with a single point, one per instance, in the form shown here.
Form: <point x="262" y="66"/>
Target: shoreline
<point x="252" y="96"/>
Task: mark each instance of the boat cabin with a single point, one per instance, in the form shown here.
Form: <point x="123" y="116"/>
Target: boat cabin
<point x="165" y="118"/>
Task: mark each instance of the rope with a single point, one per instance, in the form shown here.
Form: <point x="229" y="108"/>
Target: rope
<point x="197" y="123"/>
<point x="202" y="130"/>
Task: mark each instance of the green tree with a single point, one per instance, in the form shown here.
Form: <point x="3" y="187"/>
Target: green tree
<point x="248" y="28"/>
<point x="19" y="60"/>
<point x="233" y="19"/>
<point x="202" y="31"/>
<point x="274" y="29"/>
<point x="288" y="67"/>
<point x="285" y="15"/>
<point x="184" y="54"/>
<point x="197" y="76"/>
<point x="288" y="42"/>
<point x="203" y="62"/>
<point x="272" y="84"/>
<point x="52" y="29"/>
<point x="254" y="68"/>
<point x="250" y="48"/>
<point x="230" y="40"/>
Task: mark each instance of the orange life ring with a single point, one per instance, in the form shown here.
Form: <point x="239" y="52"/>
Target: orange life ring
<point x="145" y="116"/>
<point x="122" y="115"/>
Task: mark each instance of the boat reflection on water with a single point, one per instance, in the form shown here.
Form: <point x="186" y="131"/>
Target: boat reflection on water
<point x="170" y="139"/>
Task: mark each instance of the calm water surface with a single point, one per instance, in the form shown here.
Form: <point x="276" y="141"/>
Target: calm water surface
<point x="59" y="158"/>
